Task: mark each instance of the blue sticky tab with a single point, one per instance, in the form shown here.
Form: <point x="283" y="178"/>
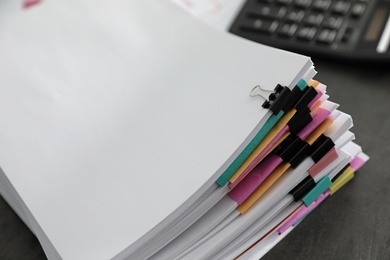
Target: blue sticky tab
<point x="229" y="172"/>
<point x="320" y="187"/>
<point x="302" y="84"/>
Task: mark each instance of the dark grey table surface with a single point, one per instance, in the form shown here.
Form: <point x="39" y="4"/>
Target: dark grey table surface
<point x="353" y="224"/>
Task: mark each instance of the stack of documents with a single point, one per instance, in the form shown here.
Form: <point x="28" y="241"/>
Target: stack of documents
<point x="130" y="130"/>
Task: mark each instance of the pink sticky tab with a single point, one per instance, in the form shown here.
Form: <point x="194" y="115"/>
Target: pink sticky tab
<point x="258" y="157"/>
<point x="325" y="161"/>
<point x="357" y="163"/>
<point x="319" y="116"/>
<point x="30" y="3"/>
<point x="249" y="184"/>
<point x="302" y="212"/>
<point x="315" y="99"/>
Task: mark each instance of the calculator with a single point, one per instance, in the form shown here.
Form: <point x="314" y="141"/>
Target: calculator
<point x="351" y="30"/>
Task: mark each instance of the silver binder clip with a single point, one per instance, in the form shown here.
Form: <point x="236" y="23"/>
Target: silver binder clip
<point x="258" y="90"/>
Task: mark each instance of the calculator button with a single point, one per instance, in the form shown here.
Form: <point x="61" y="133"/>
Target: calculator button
<point x="263" y="11"/>
<point x="321" y="5"/>
<point x="326" y="36"/>
<point x="295" y="16"/>
<point x="341" y="7"/>
<point x="333" y="22"/>
<point x="269" y="12"/>
<point x="347" y="35"/>
<point x="274" y="25"/>
<point x="306" y="33"/>
<point x="358" y="9"/>
<point x="304" y="4"/>
<point x="288" y="30"/>
<point x="261" y="26"/>
<point x="314" y="19"/>
<point x="284" y="2"/>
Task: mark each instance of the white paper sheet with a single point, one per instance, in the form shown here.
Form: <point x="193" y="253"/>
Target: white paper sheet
<point x="114" y="113"/>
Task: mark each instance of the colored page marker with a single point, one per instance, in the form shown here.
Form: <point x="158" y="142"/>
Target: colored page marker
<point x="345" y="177"/>
<point x="329" y="157"/>
<point x="270" y="135"/>
<point x="228" y="173"/>
<point x="359" y="161"/>
<point x="303" y="211"/>
<point x="320" y="187"/>
<point x="269" y="181"/>
<point x="253" y="180"/>
<point x="278" y="131"/>
<point x="276" y="135"/>
<point x="275" y="175"/>
<point x="269" y="124"/>
<point x="30" y="3"/>
<point x="333" y="135"/>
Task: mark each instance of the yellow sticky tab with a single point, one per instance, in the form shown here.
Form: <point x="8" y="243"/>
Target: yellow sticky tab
<point x="345" y="177"/>
<point x="315" y="106"/>
<point x="267" y="139"/>
<point x="276" y="144"/>
<point x="264" y="186"/>
<point x="313" y="83"/>
<point x="270" y="150"/>
<point x="310" y="139"/>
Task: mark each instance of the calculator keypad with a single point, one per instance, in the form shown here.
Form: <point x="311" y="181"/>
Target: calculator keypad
<point x="321" y="22"/>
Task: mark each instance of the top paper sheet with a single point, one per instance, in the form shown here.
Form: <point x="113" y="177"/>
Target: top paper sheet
<point x="113" y="113"/>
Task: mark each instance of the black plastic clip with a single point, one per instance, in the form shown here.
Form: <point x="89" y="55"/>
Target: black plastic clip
<point x="299" y="191"/>
<point x="293" y="150"/>
<point x="284" y="99"/>
<point x="308" y="95"/>
<point x="320" y="147"/>
<point x="278" y="99"/>
<point x="299" y="121"/>
<point x="296" y="94"/>
<point x="340" y="172"/>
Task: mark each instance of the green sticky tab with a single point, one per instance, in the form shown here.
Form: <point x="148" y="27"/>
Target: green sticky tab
<point x="229" y="172"/>
<point x="302" y="84"/>
<point x="320" y="187"/>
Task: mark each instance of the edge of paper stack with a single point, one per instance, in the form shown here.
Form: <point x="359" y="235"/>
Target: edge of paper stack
<point x="304" y="155"/>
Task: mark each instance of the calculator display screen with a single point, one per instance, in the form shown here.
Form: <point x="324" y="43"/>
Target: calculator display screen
<point x="376" y="25"/>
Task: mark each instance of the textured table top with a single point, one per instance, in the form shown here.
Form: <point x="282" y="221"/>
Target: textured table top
<point x="355" y="222"/>
<point x="352" y="224"/>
